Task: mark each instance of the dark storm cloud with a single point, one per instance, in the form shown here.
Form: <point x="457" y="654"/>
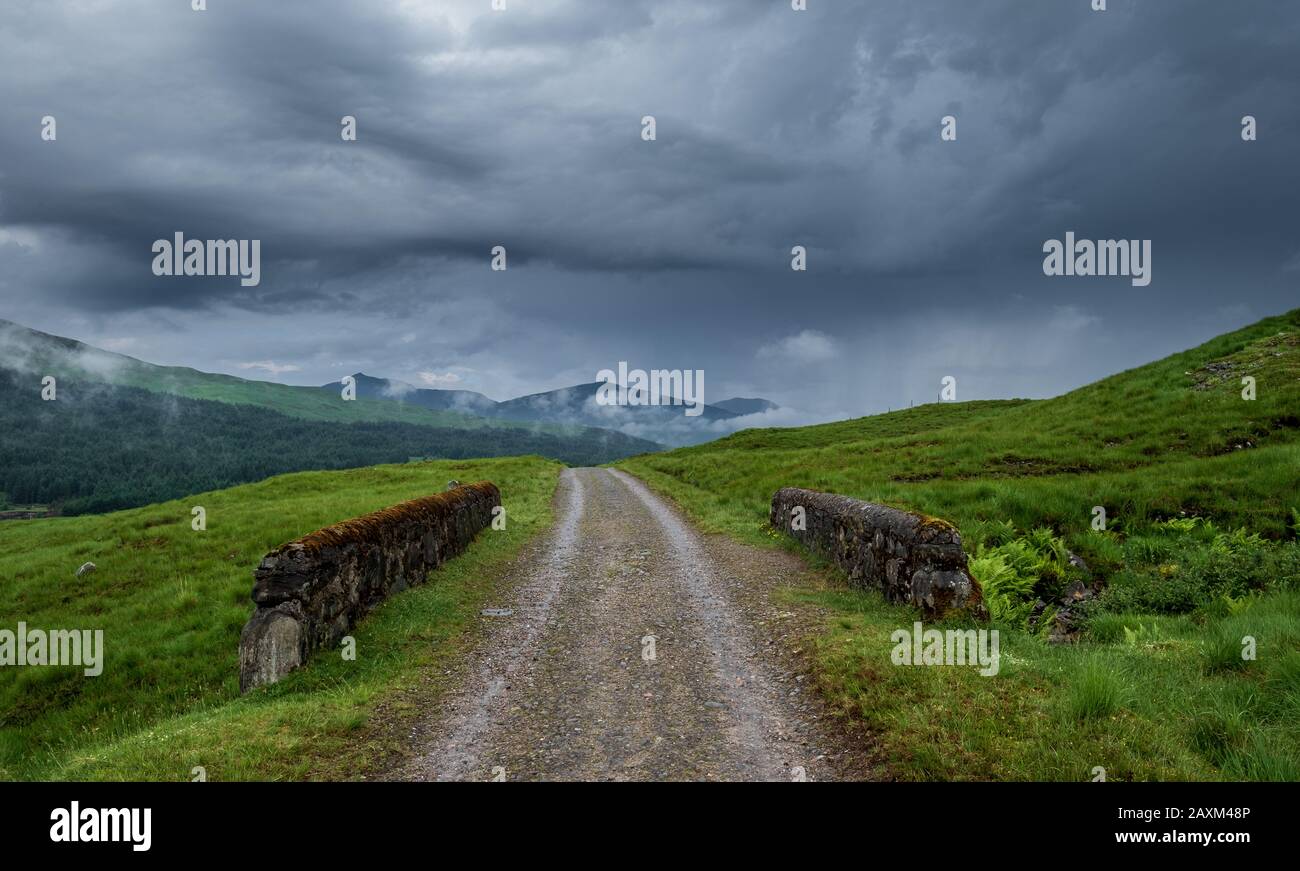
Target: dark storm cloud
<point x="775" y="128"/>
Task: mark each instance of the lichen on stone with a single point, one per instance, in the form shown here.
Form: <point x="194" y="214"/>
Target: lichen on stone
<point x="370" y="527"/>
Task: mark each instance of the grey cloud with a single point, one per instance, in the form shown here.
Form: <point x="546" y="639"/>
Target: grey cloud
<point x="522" y="128"/>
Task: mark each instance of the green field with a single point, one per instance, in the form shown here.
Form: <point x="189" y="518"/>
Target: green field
<point x="1201" y="490"/>
<point x="172" y="601"/>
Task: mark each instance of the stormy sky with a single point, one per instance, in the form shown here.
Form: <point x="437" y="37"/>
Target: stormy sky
<point x="775" y="128"/>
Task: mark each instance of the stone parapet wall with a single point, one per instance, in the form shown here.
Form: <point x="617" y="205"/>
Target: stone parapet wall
<point x="309" y="593"/>
<point x="909" y="557"/>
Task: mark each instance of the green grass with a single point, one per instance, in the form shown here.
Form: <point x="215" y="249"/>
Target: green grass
<point x="1097" y="689"/>
<point x="1143" y="709"/>
<point x="1157" y="688"/>
<point x="172" y="601"/>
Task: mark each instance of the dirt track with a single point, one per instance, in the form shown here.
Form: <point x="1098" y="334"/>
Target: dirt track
<point x="564" y="687"/>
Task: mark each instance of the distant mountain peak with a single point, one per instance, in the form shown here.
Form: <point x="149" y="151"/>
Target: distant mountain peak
<point x="742" y="406"/>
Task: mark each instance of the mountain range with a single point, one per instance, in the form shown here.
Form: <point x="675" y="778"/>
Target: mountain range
<point x="139" y="432"/>
<point x="576" y="405"/>
<point x="84" y="430"/>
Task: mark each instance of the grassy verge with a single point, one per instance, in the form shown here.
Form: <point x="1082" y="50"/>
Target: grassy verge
<point x="1156" y="704"/>
<point x="172" y="601"/>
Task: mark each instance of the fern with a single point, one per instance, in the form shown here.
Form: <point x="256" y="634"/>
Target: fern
<point x="1009" y="572"/>
<point x="1177" y="524"/>
<point x="1237" y="542"/>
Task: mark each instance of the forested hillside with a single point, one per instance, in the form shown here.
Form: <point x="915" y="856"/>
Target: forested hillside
<point x="100" y="448"/>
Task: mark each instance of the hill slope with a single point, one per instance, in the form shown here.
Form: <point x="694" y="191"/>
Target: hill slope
<point x="741" y="405"/>
<point x="461" y="401"/>
<point x="1169" y="437"/>
<point x="33" y="354"/>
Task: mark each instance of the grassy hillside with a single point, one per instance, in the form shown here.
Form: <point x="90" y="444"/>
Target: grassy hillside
<point x="172" y="601"/>
<point x="1168" y="437"/>
<point x="1156" y="688"/>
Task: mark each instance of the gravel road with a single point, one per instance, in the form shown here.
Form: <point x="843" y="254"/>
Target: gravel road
<point x="634" y="648"/>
